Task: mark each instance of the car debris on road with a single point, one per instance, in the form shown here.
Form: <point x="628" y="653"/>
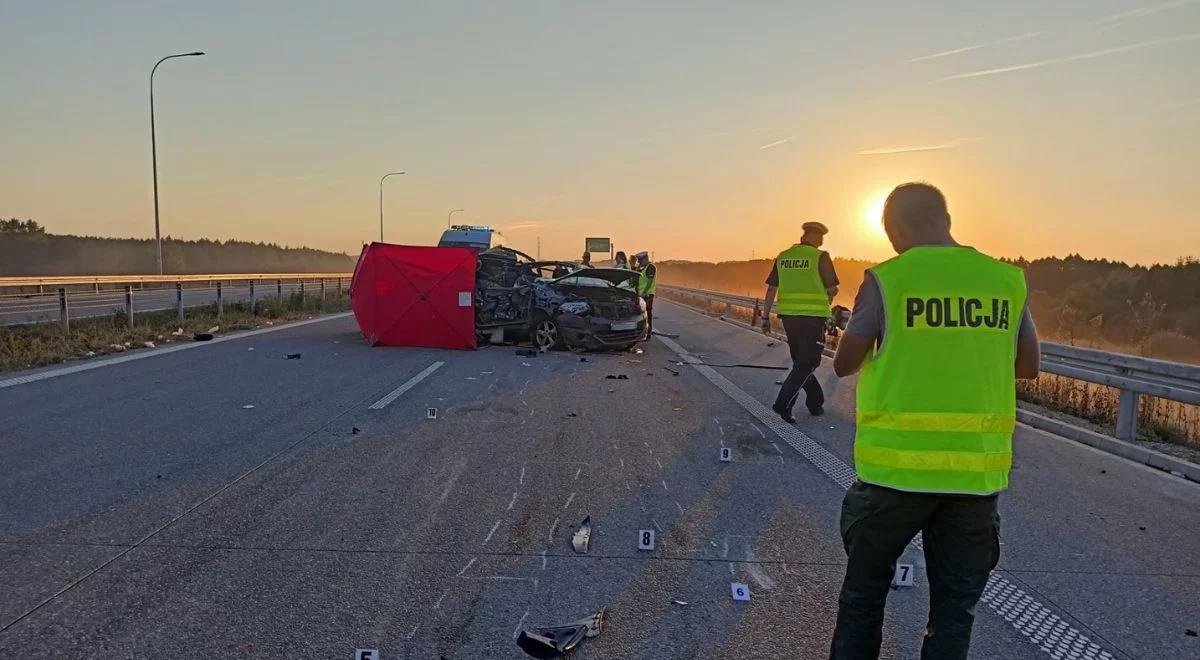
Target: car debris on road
<point x="292" y="356"/>
<point x="558" y="641"/>
<point x="582" y="536"/>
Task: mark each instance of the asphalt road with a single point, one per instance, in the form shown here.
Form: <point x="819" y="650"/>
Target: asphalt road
<point x="148" y="512"/>
<point x="23" y="309"/>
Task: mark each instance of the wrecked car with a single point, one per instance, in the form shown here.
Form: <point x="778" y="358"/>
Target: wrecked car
<point x="557" y="304"/>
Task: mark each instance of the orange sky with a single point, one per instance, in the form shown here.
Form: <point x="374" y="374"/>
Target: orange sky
<point x="697" y="130"/>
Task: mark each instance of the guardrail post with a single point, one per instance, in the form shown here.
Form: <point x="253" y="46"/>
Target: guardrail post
<point x="339" y="289"/>
<point x="97" y="286"/>
<point x="754" y="317"/>
<point x="220" y="302"/>
<point x="129" y="304"/>
<point x="252" y="312"/>
<point x="179" y="300"/>
<point x="62" y="310"/>
<point x="301" y="293"/>
<point x="729" y="310"/>
<point x="279" y="290"/>
<point x="322" y="290"/>
<point x="1127" y="415"/>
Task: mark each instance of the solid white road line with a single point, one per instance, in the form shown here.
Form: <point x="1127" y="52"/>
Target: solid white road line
<point x="1037" y="623"/>
<point x="141" y="355"/>
<point x="395" y="394"/>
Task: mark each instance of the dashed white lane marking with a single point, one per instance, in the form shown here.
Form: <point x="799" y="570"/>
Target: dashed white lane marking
<point x="467" y="567"/>
<point x="543" y="560"/>
<point x="776" y="447"/>
<point x="569" y="500"/>
<point x="622" y="462"/>
<point x="664" y="483"/>
<point x="553" y="527"/>
<point x="489" y="536"/>
<point x="412" y="382"/>
<point x="141" y="355"/>
<point x="1036" y="622"/>
<point x="660" y="466"/>
<point x="577" y="471"/>
<point x="512" y="501"/>
<point x="679" y="506"/>
<point x="755" y="427"/>
<point x="438" y="604"/>
<point x="521" y="481"/>
<point x="519" y="624"/>
<point x="656" y="525"/>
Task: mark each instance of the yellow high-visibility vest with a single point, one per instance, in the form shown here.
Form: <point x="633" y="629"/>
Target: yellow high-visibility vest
<point x="937" y="401"/>
<point x="801" y="289"/>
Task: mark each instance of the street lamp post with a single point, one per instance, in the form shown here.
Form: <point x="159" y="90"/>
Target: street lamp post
<point x="448" y="225"/>
<point x="154" y="159"/>
<point x="381" y="202"/>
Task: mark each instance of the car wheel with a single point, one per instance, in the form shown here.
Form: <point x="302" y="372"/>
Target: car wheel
<point x="545" y="334"/>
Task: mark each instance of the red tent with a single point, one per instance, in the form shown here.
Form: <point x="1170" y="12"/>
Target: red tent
<point x="406" y="295"/>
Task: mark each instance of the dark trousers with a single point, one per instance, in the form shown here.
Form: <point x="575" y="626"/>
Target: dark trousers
<point x="962" y="545"/>
<point x="806" y="340"/>
<point x="649" y="314"/>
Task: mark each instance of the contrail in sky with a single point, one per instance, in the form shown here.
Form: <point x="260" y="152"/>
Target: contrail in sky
<point x="1071" y="58"/>
<point x="967" y="49"/>
<point x="776" y="143"/>
<point x="885" y="151"/>
<point x="1108" y="19"/>
<point x="1139" y="12"/>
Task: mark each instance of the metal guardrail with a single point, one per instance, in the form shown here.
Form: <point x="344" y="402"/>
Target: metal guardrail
<point x="1131" y="375"/>
<point x="71" y="280"/>
<point x="177" y="292"/>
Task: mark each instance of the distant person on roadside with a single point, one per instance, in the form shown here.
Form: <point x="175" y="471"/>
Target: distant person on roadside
<point x="621" y="261"/>
<point x="646" y="286"/>
<point x="941" y="333"/>
<point x="587" y="260"/>
<point x="805" y="281"/>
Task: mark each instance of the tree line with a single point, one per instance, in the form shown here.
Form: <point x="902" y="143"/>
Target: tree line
<point x="26" y="250"/>
<point x="1146" y="310"/>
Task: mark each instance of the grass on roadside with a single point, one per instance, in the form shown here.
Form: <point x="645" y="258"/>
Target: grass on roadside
<point x="28" y="346"/>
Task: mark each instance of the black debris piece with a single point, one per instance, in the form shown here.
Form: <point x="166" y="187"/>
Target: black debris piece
<point x="158" y="476"/>
<point x="583" y="359"/>
<point x="1103" y="471"/>
<point x="741" y="366"/>
<point x="673" y="372"/>
<point x="665" y="334"/>
<point x="583" y="536"/>
<point x="292" y="356"/>
<point x="1141" y="528"/>
<point x="354" y="430"/>
<point x="1190" y="633"/>
<point x="617" y="377"/>
<point x="770" y="343"/>
<point x="527" y="352"/>
<point x="572" y="415"/>
<point x="202" y="336"/>
<point x="558" y="641"/>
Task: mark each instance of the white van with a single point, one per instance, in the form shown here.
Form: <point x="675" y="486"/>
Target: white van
<point x="480" y="238"/>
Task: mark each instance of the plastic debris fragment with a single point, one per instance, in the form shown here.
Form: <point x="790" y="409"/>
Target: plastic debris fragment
<point x="202" y="336"/>
<point x="558" y="641"/>
<point x="582" y="536"/>
<point x="292" y="356"/>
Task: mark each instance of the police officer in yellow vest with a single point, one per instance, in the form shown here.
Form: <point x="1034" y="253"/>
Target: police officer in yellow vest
<point x="647" y="285"/>
<point x="806" y="282"/>
<point x="940" y="333"/>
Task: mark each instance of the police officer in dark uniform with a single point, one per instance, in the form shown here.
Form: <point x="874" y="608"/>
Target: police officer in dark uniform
<point x="804" y="278"/>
